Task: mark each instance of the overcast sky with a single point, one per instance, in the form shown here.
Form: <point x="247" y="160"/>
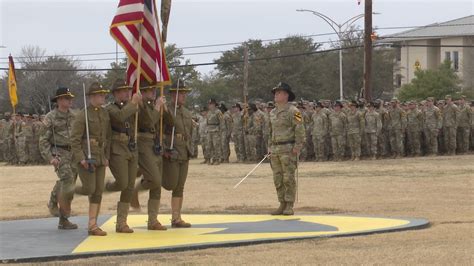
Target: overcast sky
<point x="80" y="27"/>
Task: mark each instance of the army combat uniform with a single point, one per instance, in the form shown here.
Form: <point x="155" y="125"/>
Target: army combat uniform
<point x="215" y="127"/>
<point x="450" y="124"/>
<point x="286" y="134"/>
<point x="319" y="133"/>
<point x="373" y="128"/>
<point x="55" y="142"/>
<point x="355" y="130"/>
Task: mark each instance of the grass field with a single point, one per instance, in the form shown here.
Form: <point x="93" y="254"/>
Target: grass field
<point x="440" y="189"/>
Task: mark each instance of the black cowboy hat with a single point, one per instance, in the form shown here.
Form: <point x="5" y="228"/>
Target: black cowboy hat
<point x="62" y="92"/>
<point x="284" y="87"/>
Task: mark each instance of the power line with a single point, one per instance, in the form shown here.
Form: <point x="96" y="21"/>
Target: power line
<point x="265" y="40"/>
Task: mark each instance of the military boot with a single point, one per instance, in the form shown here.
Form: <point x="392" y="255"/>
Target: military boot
<point x="93" y="228"/>
<point x="153" y="223"/>
<point x="176" y="206"/>
<point x="280" y="209"/>
<point x="288" y="209"/>
<point x="122" y="213"/>
<point x="65" y="212"/>
<point x="65" y="224"/>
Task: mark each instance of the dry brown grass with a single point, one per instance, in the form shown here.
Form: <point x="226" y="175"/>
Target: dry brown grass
<point x="436" y="188"/>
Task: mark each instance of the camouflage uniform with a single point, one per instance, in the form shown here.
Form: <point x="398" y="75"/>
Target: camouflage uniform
<point x="195" y="134"/>
<point x="203" y="138"/>
<point x="258" y="129"/>
<point x="355" y="129"/>
<point x="226" y="133"/>
<point x="55" y="141"/>
<point x="238" y="136"/>
<point x="432" y="122"/>
<point x="21" y="132"/>
<point x="319" y="132"/>
<point x="215" y="127"/>
<point x="450" y="120"/>
<point x="286" y="133"/>
<point x="337" y="131"/>
<point x="414" y="126"/>
<point x="373" y="128"/>
<point x="35" y="152"/>
<point x="397" y="126"/>
<point x="464" y="120"/>
<point x="383" y="138"/>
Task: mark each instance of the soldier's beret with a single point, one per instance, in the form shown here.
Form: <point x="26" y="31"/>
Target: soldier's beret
<point x="338" y="103"/>
<point x="354" y="103"/>
<point x="319" y="104"/>
<point x="284" y="87"/>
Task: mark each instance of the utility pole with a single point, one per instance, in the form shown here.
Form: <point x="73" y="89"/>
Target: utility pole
<point x="246" y="73"/>
<point x="368" y="51"/>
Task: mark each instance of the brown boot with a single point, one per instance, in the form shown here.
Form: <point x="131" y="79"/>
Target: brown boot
<point x="94" y="230"/>
<point x="65" y="224"/>
<point x="280" y="209"/>
<point x="122" y="213"/>
<point x="65" y="212"/>
<point x="176" y="206"/>
<point x="153" y="223"/>
<point x="288" y="209"/>
<point x="53" y="203"/>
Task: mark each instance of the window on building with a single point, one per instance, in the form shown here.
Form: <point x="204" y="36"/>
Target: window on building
<point x="456" y="60"/>
<point x="398" y="80"/>
<point x="447" y="56"/>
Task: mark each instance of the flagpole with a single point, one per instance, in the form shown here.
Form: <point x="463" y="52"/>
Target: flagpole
<point x="162" y="87"/>
<point x="139" y="69"/>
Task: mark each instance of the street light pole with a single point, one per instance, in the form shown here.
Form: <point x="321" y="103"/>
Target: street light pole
<point x="338" y="29"/>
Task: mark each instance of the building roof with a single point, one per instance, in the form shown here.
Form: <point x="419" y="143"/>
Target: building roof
<point x="454" y="28"/>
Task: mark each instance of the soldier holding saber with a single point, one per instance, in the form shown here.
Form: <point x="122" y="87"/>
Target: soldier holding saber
<point x="90" y="141"/>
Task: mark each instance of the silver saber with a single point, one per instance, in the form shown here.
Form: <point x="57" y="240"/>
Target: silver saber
<point x="89" y="155"/>
<point x="175" y="108"/>
<point x="256" y="166"/>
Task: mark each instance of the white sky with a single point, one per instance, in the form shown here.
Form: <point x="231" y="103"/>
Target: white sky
<point x="78" y="27"/>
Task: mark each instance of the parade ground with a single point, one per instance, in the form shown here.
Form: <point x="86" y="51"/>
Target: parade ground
<point x="387" y="193"/>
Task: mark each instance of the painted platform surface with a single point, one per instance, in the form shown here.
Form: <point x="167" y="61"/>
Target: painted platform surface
<point x="39" y="239"/>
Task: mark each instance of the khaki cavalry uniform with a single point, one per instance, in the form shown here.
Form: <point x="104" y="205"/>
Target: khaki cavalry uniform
<point x="150" y="157"/>
<point x="123" y="162"/>
<point x="93" y="178"/>
<point x="176" y="162"/>
<point x="55" y="142"/>
<point x="286" y="133"/>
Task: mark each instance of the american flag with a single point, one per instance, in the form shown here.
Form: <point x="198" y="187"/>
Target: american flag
<point x="135" y="18"/>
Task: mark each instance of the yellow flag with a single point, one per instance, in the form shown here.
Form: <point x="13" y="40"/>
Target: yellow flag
<point x="12" y="82"/>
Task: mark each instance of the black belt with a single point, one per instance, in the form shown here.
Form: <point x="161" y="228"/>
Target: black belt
<point x="120" y="130"/>
<point x="283" y="142"/>
<point x="146" y="130"/>
<point x="64" y="147"/>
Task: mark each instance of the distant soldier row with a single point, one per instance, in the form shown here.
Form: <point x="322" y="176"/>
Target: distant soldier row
<point x="341" y="130"/>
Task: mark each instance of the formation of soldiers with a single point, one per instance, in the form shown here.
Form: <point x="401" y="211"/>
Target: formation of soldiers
<point x="340" y="130"/>
<point x="19" y="138"/>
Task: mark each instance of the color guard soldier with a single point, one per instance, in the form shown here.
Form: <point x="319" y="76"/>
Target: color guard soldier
<point x="92" y="170"/>
<point x="123" y="150"/>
